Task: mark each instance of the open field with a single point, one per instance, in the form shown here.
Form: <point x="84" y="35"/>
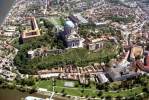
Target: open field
<point x="89" y="91"/>
<point x="56" y="21"/>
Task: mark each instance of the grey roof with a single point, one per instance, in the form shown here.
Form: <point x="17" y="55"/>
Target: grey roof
<point x="121" y="73"/>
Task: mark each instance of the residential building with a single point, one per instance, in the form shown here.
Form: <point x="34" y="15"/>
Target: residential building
<point x="101" y="76"/>
<point x="49" y="75"/>
<point x="78" y="19"/>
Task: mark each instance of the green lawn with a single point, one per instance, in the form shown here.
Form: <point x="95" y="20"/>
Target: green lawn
<point x="55" y="21"/>
<point x="77" y="91"/>
<point x="47" y="84"/>
<point x="69" y="91"/>
<point x="126" y="93"/>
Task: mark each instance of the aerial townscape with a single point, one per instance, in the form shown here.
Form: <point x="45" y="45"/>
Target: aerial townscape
<point x="76" y="50"/>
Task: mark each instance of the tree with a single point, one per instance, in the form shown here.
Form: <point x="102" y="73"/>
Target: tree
<point x="108" y="97"/>
<point x="33" y="90"/>
<point x="119" y="97"/>
<point x="106" y="86"/>
<point x="4" y="85"/>
<point x="22" y="89"/>
<point x="60" y="44"/>
<point x="1" y="80"/>
<point x="63" y="90"/>
<point x="12" y="86"/>
<point x="139" y="97"/>
<point x="48" y="24"/>
<point x="99" y="93"/>
<point x="146" y="90"/>
<point x="29" y="82"/>
<point x="99" y="87"/>
<point x="82" y="90"/>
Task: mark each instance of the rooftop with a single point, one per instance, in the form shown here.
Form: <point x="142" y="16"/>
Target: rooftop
<point x="33" y="98"/>
<point x="32" y="30"/>
<point x="69" y="24"/>
<point x="136" y="51"/>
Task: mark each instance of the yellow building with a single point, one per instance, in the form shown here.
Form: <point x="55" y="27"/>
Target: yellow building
<point x="32" y="30"/>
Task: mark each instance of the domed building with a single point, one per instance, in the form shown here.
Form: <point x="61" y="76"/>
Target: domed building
<point x="70" y="33"/>
<point x="69" y="27"/>
<point x="69" y="24"/>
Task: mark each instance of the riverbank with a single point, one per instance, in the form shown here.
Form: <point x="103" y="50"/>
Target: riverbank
<point x="15" y="94"/>
<point x="64" y="93"/>
<point x="5" y="9"/>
